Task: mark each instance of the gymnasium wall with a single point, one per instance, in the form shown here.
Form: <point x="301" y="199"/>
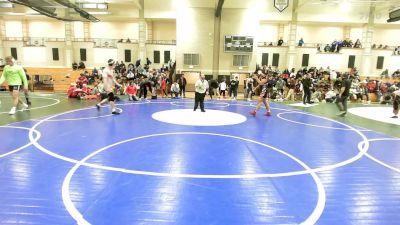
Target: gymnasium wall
<point x="50" y="29"/>
<point x="164" y="30"/>
<point x="114" y="30"/>
<point x="237" y="22"/>
<point x="194" y="29"/>
<point x="194" y="35"/>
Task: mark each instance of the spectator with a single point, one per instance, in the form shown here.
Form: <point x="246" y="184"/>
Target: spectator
<point x="396" y="74"/>
<point x="131" y="91"/>
<point x="81" y="65"/>
<point x="319" y="48"/>
<point x="280" y="42"/>
<point x="222" y="88"/>
<point x="357" y="44"/>
<point x="81" y="80"/>
<point x="330" y="96"/>
<point x="385" y="74"/>
<point x="74" y="66"/>
<point x="182" y="85"/>
<point x="301" y="42"/>
<point x="327" y="48"/>
<point x="234" y="85"/>
<point x="175" y="89"/>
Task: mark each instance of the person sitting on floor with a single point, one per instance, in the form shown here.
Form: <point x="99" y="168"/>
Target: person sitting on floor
<point x="175" y="89"/>
<point x="131" y="91"/>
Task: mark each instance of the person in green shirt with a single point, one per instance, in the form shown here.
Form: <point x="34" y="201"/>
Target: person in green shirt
<point x="16" y="79"/>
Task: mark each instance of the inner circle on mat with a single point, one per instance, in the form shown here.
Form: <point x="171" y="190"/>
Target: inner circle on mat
<point x="189" y="117"/>
<point x="207" y="104"/>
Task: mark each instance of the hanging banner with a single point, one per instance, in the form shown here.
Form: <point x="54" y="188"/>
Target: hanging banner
<point x="281" y="4"/>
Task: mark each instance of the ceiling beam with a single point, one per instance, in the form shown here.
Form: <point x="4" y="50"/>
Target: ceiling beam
<point x="219" y="8"/>
<point x="137" y="3"/>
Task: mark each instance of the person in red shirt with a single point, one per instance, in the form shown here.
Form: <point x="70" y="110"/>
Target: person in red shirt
<point x="81" y="80"/>
<point x="163" y="87"/>
<point x="71" y="91"/>
<point x="131" y="91"/>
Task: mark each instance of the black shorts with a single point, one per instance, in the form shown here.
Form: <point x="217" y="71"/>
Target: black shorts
<point x="111" y="97"/>
<point x="14" y="87"/>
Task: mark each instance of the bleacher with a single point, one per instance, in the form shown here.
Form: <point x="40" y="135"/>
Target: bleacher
<point x="61" y="77"/>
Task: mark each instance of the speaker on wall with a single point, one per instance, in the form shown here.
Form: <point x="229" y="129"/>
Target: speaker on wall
<point x="379" y="63"/>
<point x="56" y="57"/>
<point x="167" y="56"/>
<point x="352" y="59"/>
<point x="275" y="59"/>
<point x="14" y="53"/>
<point x="156" y="56"/>
<point x="128" y="57"/>
<point x="304" y="62"/>
<point x="83" y="54"/>
<point x="264" y="59"/>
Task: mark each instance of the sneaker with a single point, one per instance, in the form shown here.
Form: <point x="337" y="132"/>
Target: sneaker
<point x="394" y="117"/>
<point x="268" y="114"/>
<point x="24" y="106"/>
<point x="203" y="110"/>
<point x="12" y="111"/>
<point x="253" y="113"/>
<point x="115" y="113"/>
<point x="342" y="113"/>
<point x="98" y="106"/>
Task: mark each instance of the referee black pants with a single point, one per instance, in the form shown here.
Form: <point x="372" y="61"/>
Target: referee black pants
<point x="199" y="98"/>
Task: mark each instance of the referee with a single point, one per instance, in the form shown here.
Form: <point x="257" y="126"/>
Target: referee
<point x="201" y="87"/>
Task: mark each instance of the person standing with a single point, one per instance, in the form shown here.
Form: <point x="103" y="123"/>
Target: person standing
<point x="234" y="85"/>
<point x="182" y="85"/>
<point x="344" y="91"/>
<point x="307" y="84"/>
<point x="16" y="79"/>
<point x="264" y="95"/>
<point x="26" y="91"/>
<point x="396" y="102"/>
<point x="249" y="88"/>
<point x="222" y="88"/>
<point x="109" y="81"/>
<point x="213" y="85"/>
<point x="201" y="87"/>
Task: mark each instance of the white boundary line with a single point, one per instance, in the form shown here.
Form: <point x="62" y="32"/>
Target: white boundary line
<point x="39" y="107"/>
<point x="377" y="160"/>
<point x="83" y="118"/>
<point x="211" y="103"/>
<point x="279" y="115"/>
<point x="38" y="134"/>
<point x="313" y="218"/>
<point x="363" y="148"/>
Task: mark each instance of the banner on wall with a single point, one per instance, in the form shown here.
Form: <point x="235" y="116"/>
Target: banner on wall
<point x="281" y="4"/>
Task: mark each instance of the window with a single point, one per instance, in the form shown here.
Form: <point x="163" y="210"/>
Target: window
<point x="56" y="56"/>
<point x="167" y="56"/>
<point x="128" y="57"/>
<point x="14" y="53"/>
<point x="275" y="59"/>
<point x="264" y="60"/>
<point x="241" y="60"/>
<point x="156" y="57"/>
<point x="191" y="59"/>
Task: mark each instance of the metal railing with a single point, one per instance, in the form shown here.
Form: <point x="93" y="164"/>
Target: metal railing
<point x="161" y="42"/>
<point x="271" y="44"/>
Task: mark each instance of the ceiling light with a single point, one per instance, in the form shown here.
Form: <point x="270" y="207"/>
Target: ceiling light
<point x="93" y="5"/>
<point x="6" y="4"/>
